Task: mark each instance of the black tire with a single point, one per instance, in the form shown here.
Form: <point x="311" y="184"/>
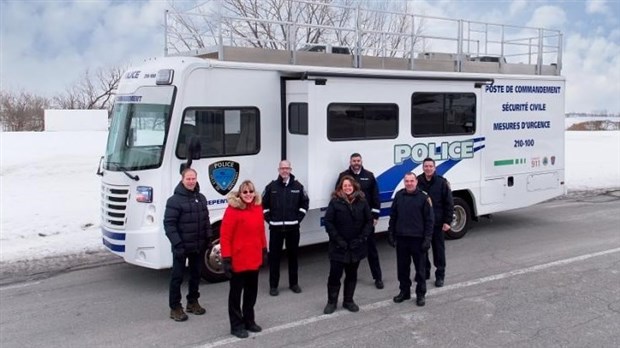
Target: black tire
<point x="461" y="221"/>
<point x="212" y="270"/>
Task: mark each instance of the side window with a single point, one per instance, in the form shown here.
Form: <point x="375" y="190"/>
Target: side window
<point x="362" y="121"/>
<point x="222" y="131"/>
<point x="436" y="114"/>
<point x="298" y="118"/>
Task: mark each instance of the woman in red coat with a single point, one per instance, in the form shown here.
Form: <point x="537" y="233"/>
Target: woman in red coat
<point x="244" y="248"/>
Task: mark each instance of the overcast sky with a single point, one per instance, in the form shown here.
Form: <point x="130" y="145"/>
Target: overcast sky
<point x="47" y="44"/>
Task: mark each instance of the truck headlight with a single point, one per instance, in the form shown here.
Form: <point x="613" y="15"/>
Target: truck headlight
<point x="144" y="194"/>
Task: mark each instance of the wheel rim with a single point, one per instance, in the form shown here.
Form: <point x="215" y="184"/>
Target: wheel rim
<point x="213" y="258"/>
<point x="459" y="219"/>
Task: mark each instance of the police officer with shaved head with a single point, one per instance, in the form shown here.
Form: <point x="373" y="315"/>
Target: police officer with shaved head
<point x="410" y="231"/>
<point x="285" y="204"/>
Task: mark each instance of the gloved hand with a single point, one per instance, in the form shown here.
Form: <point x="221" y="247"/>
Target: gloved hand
<point x="265" y="257"/>
<point x="227" y="266"/>
<point x="356" y="243"/>
<point x="300" y="216"/>
<point x="178" y="252"/>
<point x="342" y="244"/>
<point x="426" y="244"/>
<point x="391" y="240"/>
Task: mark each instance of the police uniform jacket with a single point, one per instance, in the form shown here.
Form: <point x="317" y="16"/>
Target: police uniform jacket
<point x="439" y="190"/>
<point x="284" y="206"/>
<point x="186" y="220"/>
<point x="350" y="222"/>
<point x="369" y="186"/>
<point x="411" y="215"/>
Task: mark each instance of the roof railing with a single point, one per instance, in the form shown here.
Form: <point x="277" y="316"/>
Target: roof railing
<point x="375" y="38"/>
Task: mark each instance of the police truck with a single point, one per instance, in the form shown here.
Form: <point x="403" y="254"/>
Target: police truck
<point x="489" y="110"/>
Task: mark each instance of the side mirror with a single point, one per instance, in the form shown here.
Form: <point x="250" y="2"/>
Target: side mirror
<point x="194" y="148"/>
<point x="100" y="167"/>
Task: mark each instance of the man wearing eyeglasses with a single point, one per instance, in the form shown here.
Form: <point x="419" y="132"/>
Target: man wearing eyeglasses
<point x="285" y="204"/>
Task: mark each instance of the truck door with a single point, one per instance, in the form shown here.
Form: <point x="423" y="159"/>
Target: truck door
<point x="296" y="129"/>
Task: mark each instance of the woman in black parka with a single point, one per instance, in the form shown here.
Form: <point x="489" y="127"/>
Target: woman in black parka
<point x="348" y="223"/>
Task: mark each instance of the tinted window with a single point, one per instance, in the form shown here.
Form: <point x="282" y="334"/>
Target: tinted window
<point x="362" y="121"/>
<point x="222" y="131"/>
<point x="443" y="113"/>
<point x="298" y="118"/>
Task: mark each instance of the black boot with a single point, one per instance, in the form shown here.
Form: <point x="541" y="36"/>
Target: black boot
<point x="349" y="290"/>
<point x="332" y="299"/>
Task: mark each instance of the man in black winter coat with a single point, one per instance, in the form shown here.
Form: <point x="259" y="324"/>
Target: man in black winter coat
<point x="438" y="188"/>
<point x="187" y="225"/>
<point x="410" y="231"/>
<point x="369" y="186"/>
<point x="285" y="204"/>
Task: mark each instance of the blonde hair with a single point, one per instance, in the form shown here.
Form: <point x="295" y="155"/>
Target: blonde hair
<point x="247" y="184"/>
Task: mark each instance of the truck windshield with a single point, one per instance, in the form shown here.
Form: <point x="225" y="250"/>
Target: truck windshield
<point x="137" y="136"/>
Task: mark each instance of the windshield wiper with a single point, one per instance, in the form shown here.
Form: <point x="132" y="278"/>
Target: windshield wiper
<point x="124" y="170"/>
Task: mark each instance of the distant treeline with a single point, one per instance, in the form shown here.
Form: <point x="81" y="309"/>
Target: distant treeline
<point x="597" y="114"/>
<point x="595" y="125"/>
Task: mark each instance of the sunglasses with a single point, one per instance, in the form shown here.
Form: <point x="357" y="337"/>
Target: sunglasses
<point x="246" y="192"/>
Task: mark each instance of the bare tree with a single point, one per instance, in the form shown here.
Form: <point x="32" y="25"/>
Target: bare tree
<point x="378" y="28"/>
<point x="91" y="91"/>
<point x="22" y="111"/>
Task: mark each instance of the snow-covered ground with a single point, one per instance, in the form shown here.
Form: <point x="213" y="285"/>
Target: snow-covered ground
<point x="50" y="193"/>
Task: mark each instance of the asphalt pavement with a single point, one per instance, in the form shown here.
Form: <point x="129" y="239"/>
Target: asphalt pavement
<point x="543" y="276"/>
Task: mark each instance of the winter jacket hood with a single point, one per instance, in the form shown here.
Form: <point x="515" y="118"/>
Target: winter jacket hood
<point x="236" y="202"/>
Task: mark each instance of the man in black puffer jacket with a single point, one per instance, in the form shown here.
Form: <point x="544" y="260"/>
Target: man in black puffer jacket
<point x="187" y="225"/>
<point x="410" y="231"/>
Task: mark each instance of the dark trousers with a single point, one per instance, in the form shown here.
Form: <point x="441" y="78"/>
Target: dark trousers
<point x="176" y="278"/>
<point x="439" y="253"/>
<point x="337" y="268"/>
<point x="278" y="238"/>
<point x="245" y="283"/>
<point x="408" y="249"/>
<point x="373" y="257"/>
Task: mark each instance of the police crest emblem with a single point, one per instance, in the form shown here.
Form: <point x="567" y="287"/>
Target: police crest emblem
<point x="223" y="176"/>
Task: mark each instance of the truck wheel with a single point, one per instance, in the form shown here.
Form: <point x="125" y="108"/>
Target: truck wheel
<point x="212" y="270"/>
<point x="461" y="220"/>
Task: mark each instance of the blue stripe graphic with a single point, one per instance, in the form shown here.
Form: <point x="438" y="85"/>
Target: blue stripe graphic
<point x="113" y="247"/>
<point x="389" y="180"/>
<point x="113" y="235"/>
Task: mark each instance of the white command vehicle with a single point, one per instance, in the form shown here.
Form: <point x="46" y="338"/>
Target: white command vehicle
<point x="495" y="129"/>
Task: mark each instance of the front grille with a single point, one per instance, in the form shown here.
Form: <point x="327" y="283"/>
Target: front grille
<point x="114" y="206"/>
